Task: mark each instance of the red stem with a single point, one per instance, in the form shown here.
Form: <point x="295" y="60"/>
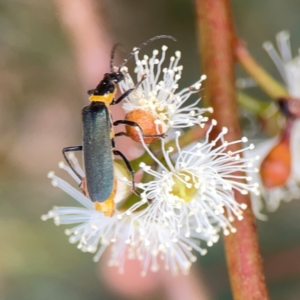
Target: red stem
<point x="286" y="133"/>
<point x="217" y="39"/>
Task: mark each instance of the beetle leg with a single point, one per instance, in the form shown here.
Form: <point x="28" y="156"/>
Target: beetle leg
<point x="121" y="134"/>
<point x="71" y="149"/>
<point x="129" y="167"/>
<point x="134" y="124"/>
<point x="122" y="97"/>
<point x="128" y="92"/>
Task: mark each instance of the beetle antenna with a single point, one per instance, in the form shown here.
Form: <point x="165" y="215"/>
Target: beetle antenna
<point x="141" y="46"/>
<point x="112" y="56"/>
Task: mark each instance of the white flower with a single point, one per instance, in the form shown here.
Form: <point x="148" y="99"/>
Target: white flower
<point x="289" y="69"/>
<point x="287" y="192"/>
<point x="288" y="66"/>
<point x="157" y="93"/>
<point x="129" y="234"/>
<point x="195" y="188"/>
<point x="273" y="196"/>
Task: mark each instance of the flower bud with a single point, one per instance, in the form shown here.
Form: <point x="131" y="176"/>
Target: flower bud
<point x="147" y="123"/>
<point x="276" y="167"/>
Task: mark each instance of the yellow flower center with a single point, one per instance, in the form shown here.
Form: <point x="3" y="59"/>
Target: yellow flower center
<point x="184" y="187"/>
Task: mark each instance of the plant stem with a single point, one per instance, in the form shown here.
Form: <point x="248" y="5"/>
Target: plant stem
<point x="273" y="88"/>
<point x="216" y="38"/>
<point x="251" y="104"/>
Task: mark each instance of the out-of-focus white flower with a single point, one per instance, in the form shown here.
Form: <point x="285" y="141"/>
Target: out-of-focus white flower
<point x="273" y="196"/>
<point x="289" y="69"/>
<point x="157" y="95"/>
<point x="288" y="66"/>
<point x="127" y="235"/>
<point x="196" y="186"/>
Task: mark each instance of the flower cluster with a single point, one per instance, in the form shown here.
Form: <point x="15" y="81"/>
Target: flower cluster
<point x="186" y="193"/>
<point x="156" y="95"/>
<point x="129" y="233"/>
<point x="196" y="184"/>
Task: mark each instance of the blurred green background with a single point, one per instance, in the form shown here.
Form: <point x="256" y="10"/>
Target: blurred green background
<point x="40" y="101"/>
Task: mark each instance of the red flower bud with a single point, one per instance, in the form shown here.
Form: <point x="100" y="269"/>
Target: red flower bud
<point x="276" y="166"/>
<point x="146" y="121"/>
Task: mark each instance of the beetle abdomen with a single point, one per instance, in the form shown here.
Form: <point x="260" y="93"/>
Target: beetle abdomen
<point x="97" y="151"/>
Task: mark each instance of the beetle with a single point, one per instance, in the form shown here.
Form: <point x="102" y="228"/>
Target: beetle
<point x="98" y="137"/>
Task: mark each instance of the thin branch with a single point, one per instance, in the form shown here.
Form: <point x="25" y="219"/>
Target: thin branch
<point x="216" y="38"/>
<point x="273" y="88"/>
